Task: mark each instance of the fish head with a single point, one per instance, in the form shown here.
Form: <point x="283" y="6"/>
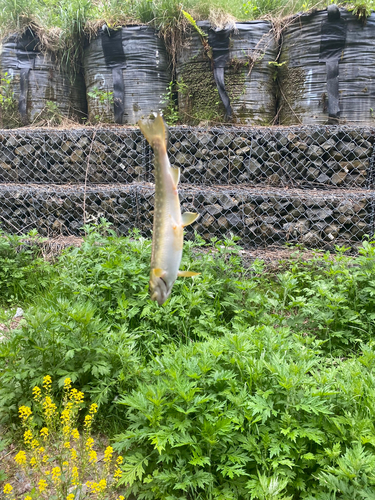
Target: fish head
<point x="160" y="288"/>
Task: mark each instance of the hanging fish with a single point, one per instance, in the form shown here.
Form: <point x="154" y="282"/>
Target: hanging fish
<point x="167" y="238"/>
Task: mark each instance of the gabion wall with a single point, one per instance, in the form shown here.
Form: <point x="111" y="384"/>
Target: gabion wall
<point x="308" y="185"/>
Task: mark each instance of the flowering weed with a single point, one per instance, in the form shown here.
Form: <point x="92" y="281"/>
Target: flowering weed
<point x="60" y="461"/>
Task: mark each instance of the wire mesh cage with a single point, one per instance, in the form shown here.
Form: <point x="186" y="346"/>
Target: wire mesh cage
<point x="268" y="186"/>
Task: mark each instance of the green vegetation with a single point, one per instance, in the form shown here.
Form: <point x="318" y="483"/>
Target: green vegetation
<point x="246" y="384"/>
<point x="61" y="25"/>
<point x="9" y="114"/>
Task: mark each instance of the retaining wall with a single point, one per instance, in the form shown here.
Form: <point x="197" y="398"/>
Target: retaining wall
<point x="312" y="186"/>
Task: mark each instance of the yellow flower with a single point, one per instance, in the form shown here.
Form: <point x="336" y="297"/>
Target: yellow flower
<point x="119" y="460"/>
<point x="121" y="497"/>
<point x="47" y="382"/>
<point x="73" y="454"/>
<point x="33" y="462"/>
<point x="45" y="458"/>
<point x="65" y="464"/>
<point x="28" y="498"/>
<point x="56" y="475"/>
<point x="8" y="488"/>
<point x="49" y="408"/>
<point x="92" y="456"/>
<point x="76" y="396"/>
<point x="102" y="485"/>
<point x="65" y="416"/>
<point x="27" y="436"/>
<point x="75" y="434"/>
<point x="117" y="474"/>
<point x="20" y="458"/>
<point x="70" y="496"/>
<point x="34" y="443"/>
<point x="89" y="443"/>
<point x="108" y="454"/>
<point x="24" y="412"/>
<point x="93" y="409"/>
<point x="75" y="476"/>
<point x="44" y="432"/>
<point x="67" y="384"/>
<point x="37" y="393"/>
<point x="42" y="485"/>
<point x="67" y="444"/>
<point x="88" y="422"/>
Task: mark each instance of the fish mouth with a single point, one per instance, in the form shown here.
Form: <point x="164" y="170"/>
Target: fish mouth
<point x="159" y="291"/>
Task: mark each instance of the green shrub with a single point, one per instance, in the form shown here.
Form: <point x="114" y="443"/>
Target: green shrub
<point x="257" y="414"/>
<point x="23" y="271"/>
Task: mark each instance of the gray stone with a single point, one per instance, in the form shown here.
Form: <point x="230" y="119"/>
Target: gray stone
<point x="302" y="146"/>
<point x="235" y="220"/>
<point x="311" y="238"/>
<point x="205" y="139"/>
<point x="77" y="156"/>
<point x="253" y="167"/>
<point x="12" y="142"/>
<point x="26" y="150"/>
<point x="223" y="141"/>
<point x="214" y="209"/>
<point x="183" y="159"/>
<point x="83" y="142"/>
<point x="297" y="227"/>
<point x="323" y="179"/>
<point x="332" y="230"/>
<point x="243" y="151"/>
<point x="5" y="166"/>
<point x="202" y="154"/>
<point x="338" y="178"/>
<point x="217" y="153"/>
<point x="328" y="145"/>
<point x="361" y="152"/>
<point x="223" y="222"/>
<point x="314" y="152"/>
<point x="236" y="161"/>
<point x="318" y="213"/>
<point x="259" y="152"/>
<point x="312" y="173"/>
<point x="226" y="201"/>
<point x="239" y="142"/>
<point x="207" y="220"/>
<point x="217" y="166"/>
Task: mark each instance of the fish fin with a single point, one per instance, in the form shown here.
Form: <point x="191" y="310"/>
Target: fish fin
<point x="175" y="173"/>
<point x="188" y="218"/>
<point x="187" y="274"/>
<point x="154" y="131"/>
<point x="159" y="273"/>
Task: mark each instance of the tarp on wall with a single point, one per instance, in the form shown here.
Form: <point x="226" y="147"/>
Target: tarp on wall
<point x="230" y="80"/>
<point x="126" y="73"/>
<point x="36" y="80"/>
<point x="327" y="72"/>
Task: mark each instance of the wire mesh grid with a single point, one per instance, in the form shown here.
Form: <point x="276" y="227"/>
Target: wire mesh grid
<point x="268" y="186"/>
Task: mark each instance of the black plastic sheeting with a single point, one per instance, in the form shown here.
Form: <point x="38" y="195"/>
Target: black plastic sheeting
<point x="237" y="83"/>
<point x="328" y="69"/>
<point x="127" y="74"/>
<point x="36" y="80"/>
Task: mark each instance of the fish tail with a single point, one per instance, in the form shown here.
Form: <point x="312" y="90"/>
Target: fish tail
<point x="154" y="131"/>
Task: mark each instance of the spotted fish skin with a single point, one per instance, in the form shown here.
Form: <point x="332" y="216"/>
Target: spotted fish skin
<point x="167" y="238"/>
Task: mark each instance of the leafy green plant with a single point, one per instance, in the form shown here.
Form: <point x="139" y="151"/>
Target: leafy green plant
<point x="23" y="271"/>
<point x="103" y="103"/>
<point x="170" y="111"/>
<point x="9" y="114"/>
<point x="255" y="414"/>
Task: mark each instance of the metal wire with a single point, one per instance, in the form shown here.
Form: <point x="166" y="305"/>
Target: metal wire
<point x="269" y="186"/>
